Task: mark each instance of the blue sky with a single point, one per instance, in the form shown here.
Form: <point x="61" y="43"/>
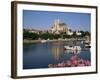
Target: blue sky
<point x="44" y="19"/>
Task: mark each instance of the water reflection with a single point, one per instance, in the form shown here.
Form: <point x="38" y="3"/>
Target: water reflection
<point x="57" y="52"/>
<point x="41" y="55"/>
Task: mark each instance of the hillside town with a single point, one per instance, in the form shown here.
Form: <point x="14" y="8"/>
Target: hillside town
<point x="58" y="30"/>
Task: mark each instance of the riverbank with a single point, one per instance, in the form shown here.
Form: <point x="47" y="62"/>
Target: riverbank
<point x="54" y="40"/>
<point x="40" y="41"/>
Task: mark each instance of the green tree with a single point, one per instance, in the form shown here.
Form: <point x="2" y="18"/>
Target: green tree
<point x="29" y="35"/>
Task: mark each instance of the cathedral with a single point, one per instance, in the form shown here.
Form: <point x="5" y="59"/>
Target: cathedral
<point x="59" y="27"/>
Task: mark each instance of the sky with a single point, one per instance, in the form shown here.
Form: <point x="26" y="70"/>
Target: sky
<point x="43" y="20"/>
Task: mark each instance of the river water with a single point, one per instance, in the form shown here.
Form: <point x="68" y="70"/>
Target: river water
<point x="39" y="55"/>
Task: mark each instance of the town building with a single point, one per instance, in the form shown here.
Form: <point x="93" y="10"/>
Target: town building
<point x="59" y="27"/>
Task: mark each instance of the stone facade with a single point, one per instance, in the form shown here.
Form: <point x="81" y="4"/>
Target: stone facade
<point x="59" y="27"/>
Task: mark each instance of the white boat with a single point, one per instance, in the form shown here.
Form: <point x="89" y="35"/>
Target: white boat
<point x="73" y="51"/>
<point x="43" y="41"/>
<point x="72" y="47"/>
<point x="87" y="45"/>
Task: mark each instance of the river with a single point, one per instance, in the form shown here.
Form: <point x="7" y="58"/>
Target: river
<point x="39" y="55"/>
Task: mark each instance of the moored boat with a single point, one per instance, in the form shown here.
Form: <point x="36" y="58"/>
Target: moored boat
<point x="72" y="47"/>
<point x="43" y="41"/>
<point x="87" y="45"/>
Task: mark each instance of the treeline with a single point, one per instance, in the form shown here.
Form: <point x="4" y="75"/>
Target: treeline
<point x="35" y="36"/>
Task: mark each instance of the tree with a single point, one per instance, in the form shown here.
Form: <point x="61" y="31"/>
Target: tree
<point x="29" y="35"/>
<point x="74" y="34"/>
<point x="87" y="33"/>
